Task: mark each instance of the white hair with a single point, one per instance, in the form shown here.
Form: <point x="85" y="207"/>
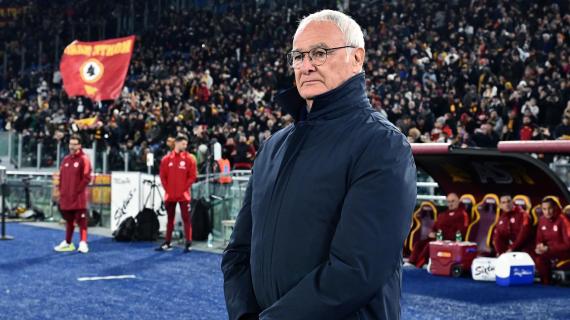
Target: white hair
<point x="352" y="32"/>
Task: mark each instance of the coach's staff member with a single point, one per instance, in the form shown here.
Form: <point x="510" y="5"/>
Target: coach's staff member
<point x="329" y="204"/>
<point x="513" y="231"/>
<point x="552" y="239"/>
<point x="74" y="177"/>
<point x="454" y="219"/>
<point x="177" y="173"/>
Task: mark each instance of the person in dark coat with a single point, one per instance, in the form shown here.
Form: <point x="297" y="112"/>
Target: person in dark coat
<point x="330" y="200"/>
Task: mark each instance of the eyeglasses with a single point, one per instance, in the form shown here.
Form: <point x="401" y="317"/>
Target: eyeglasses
<point x="317" y="56"/>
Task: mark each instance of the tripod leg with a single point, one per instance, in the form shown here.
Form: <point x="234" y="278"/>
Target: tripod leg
<point x="3" y="236"/>
<point x="162" y="206"/>
<point x="148" y="197"/>
<point x="153" y="187"/>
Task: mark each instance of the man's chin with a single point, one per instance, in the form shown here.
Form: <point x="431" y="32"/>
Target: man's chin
<point x="311" y="94"/>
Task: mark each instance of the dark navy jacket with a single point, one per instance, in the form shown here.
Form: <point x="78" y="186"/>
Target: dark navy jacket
<point x="325" y="215"/>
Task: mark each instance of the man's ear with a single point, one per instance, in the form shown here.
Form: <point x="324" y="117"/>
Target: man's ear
<point x="358" y="59"/>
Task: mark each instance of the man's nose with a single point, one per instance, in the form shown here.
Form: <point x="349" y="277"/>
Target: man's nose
<point x="306" y="64"/>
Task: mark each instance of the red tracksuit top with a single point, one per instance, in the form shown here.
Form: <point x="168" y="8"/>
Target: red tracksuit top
<point x="555" y="234"/>
<point x="74" y="177"/>
<point x="513" y="231"/>
<point x="177" y="173"/>
<point x="450" y="221"/>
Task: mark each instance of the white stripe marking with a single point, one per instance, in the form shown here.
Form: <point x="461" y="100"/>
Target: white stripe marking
<point x="127" y="276"/>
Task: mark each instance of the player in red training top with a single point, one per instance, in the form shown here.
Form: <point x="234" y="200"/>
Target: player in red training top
<point x="74" y="177"/>
<point x="177" y="173"/>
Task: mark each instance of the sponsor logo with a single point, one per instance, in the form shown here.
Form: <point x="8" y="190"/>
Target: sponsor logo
<point x="182" y="163"/>
<point x="121" y="180"/>
<point x="76" y="164"/>
<point x="170" y="164"/>
<point x="444" y="254"/>
<point x="122" y="211"/>
<point x="555" y="228"/>
<point x="543" y="227"/>
<point x="522" y="272"/>
<point x="485" y="270"/>
<point x="513" y="220"/>
<point x="67" y="165"/>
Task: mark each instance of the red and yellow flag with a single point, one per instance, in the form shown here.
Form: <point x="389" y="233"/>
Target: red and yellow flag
<point x="96" y="69"/>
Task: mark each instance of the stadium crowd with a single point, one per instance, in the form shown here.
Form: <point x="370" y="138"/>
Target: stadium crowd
<point x="470" y="73"/>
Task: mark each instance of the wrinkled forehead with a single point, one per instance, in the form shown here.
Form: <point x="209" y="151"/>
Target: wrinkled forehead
<point x="318" y="34"/>
<point x="321" y="44"/>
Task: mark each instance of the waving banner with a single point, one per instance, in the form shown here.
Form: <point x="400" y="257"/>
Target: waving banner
<point x="96" y="70"/>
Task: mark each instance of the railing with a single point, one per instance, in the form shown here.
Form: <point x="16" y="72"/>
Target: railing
<point x="32" y="190"/>
<point x="25" y="152"/>
<point x="226" y="199"/>
<point x="428" y="189"/>
<point x="561" y="166"/>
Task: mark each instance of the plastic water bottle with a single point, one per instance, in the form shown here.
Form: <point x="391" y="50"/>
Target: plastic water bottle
<point x="210" y="240"/>
<point x="458" y="237"/>
<point x="439" y="235"/>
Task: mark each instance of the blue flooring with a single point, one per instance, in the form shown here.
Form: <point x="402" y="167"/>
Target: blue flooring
<point x="37" y="283"/>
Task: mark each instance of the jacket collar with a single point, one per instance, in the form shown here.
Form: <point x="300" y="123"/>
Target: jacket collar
<point x="78" y="153"/>
<point x="174" y="154"/>
<point x="516" y="209"/>
<point x="329" y="105"/>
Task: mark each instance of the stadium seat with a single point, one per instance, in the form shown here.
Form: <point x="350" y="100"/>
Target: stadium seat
<point x="563" y="265"/>
<point x="536" y="212"/>
<point x="406" y="251"/>
<point x="424" y="218"/>
<point x="523" y="202"/>
<point x="481" y="229"/>
<point x="566" y="210"/>
<point x="561" y="272"/>
<point x="469" y="202"/>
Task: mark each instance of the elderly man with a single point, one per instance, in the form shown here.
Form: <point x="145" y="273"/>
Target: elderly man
<point x="449" y="222"/>
<point x="329" y="203"/>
